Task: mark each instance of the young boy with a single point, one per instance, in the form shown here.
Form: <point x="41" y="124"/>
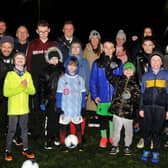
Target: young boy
<point x="18" y="85"/>
<point x="71" y="100"/>
<point x="48" y="86"/>
<point x="122" y="105"/>
<point x="102" y="91"/>
<point x="76" y="51"/>
<point x="154" y="106"/>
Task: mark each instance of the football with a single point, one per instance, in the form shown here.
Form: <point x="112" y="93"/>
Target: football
<point x="30" y="164"/>
<point x="71" y="141"/>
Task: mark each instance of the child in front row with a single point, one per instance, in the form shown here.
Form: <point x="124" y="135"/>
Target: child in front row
<point x="71" y="100"/>
<point x="18" y="85"/>
<point x="154" y="106"/>
<point x="122" y="106"/>
<point x="102" y="91"/>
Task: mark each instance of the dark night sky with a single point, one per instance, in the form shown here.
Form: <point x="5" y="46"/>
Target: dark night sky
<point x="107" y="17"/>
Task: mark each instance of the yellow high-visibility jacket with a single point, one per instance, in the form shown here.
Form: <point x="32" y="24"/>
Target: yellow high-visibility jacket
<point x="18" y="95"/>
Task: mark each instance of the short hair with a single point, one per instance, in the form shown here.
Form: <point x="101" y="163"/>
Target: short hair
<point x="43" y="23"/>
<point x="73" y="61"/>
<point x="68" y="22"/>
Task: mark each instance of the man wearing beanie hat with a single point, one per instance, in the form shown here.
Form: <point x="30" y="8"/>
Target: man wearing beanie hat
<point x="7" y="39"/>
<point x="94" y="33"/>
<point x="153" y="106"/>
<point x="123" y="104"/>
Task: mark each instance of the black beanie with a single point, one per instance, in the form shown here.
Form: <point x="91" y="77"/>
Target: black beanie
<point x="53" y="54"/>
<point x="158" y="53"/>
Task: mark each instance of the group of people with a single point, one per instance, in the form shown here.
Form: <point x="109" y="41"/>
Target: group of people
<point x="47" y="87"/>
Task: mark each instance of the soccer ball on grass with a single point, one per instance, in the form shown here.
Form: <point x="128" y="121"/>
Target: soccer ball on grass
<point x="30" y="164"/>
<point x="71" y="141"/>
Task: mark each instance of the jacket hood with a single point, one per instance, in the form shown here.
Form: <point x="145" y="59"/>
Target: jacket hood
<point x="70" y="58"/>
<point x="53" y="49"/>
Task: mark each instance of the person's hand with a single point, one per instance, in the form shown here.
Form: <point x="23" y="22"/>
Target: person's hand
<point x="24" y="82"/>
<point x="134" y="38"/>
<point x="141" y="113"/>
<point x="97" y="100"/>
<point x="42" y="107"/>
<point x="60" y="111"/>
<point x="167" y="115"/>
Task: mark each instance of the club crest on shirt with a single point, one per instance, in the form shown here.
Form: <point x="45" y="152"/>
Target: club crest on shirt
<point x="66" y="92"/>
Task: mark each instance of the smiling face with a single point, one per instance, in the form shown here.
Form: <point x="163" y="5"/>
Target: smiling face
<point x="68" y="30"/>
<point x="6" y="48"/>
<point x="128" y="72"/>
<point x="19" y="60"/>
<point x="76" y="47"/>
<point x="108" y="48"/>
<point x="156" y="62"/>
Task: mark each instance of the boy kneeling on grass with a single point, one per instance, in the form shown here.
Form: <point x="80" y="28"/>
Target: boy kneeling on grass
<point x="18" y="85"/>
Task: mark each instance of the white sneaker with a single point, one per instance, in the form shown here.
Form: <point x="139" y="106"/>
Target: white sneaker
<point x="56" y="143"/>
<point x="140" y="144"/>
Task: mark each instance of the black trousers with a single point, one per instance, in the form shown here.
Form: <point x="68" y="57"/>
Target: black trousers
<point x="52" y="118"/>
<point x="154" y="118"/>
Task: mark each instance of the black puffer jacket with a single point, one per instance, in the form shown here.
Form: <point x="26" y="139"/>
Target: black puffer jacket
<point x="126" y="95"/>
<point x="48" y="82"/>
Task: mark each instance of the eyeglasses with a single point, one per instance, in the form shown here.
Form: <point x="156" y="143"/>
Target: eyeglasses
<point x="42" y="32"/>
<point x="95" y="34"/>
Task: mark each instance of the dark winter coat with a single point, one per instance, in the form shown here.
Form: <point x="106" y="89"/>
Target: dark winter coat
<point x="99" y="85"/>
<point x="48" y="82"/>
<point x="126" y="95"/>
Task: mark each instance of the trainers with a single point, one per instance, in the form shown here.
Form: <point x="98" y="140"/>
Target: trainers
<point x="166" y="131"/>
<point x="80" y="147"/>
<point x="103" y="142"/>
<point x="151" y="146"/>
<point x="63" y="148"/>
<point x="145" y="155"/>
<point x="140" y="144"/>
<point x="114" y="150"/>
<point x="28" y="154"/>
<point x="127" y="151"/>
<point x="166" y="144"/>
<point x="94" y="122"/>
<point x="56" y="143"/>
<point x="155" y="157"/>
<point x="111" y="140"/>
<point x="48" y="145"/>
<point x="17" y="141"/>
<point x="8" y="156"/>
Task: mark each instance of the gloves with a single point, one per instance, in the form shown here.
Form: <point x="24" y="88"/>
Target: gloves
<point x="83" y="110"/>
<point x="59" y="111"/>
<point x="42" y="107"/>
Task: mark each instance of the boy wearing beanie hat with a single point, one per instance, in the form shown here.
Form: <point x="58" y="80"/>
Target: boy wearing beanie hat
<point x="153" y="106"/>
<point x="47" y="86"/>
<point x="122" y="105"/>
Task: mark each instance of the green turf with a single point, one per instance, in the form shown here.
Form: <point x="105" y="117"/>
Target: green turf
<point x="91" y="157"/>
